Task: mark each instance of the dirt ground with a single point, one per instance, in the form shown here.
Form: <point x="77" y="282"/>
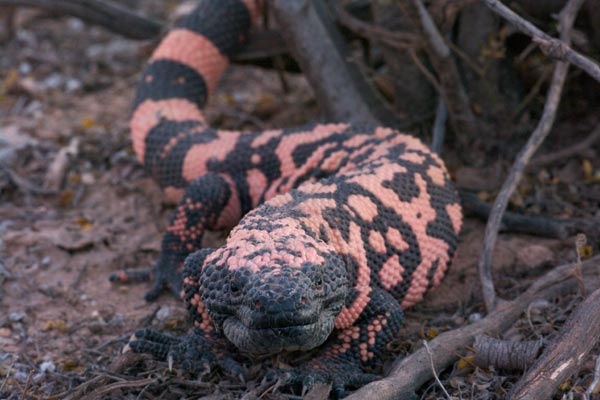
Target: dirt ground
<point x="75" y="205"/>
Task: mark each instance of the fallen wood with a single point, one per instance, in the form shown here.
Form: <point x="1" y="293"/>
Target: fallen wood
<point x="411" y="372"/>
<point x="262" y="44"/>
<point x="340" y="87"/>
<point x="106" y="14"/>
<point x="453" y="92"/>
<point x="533" y="225"/>
<point x="565" y="356"/>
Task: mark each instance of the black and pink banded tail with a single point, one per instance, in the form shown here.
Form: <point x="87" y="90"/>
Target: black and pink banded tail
<point x="183" y="71"/>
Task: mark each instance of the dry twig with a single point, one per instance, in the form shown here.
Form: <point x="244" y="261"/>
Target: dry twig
<point x="438" y="132"/>
<point x="559" y="49"/>
<point x="592" y="388"/>
<point x="567" y="17"/>
<point x="435" y="375"/>
<point x="578" y="147"/>
<point x="534" y="225"/>
<point x="580" y="242"/>
<point x="409" y="373"/>
<point x="455" y="97"/>
<point x="397" y="40"/>
<point x="23" y="184"/>
<point x="58" y="167"/>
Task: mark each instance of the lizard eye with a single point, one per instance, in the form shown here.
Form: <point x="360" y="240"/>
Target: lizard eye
<point x="235" y="289"/>
<point x="318" y="281"/>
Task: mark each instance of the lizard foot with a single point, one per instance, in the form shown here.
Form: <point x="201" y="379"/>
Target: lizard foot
<point x="195" y="352"/>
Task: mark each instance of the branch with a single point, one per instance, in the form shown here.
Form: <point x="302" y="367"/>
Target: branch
<point x="564" y="356"/>
<point x="111" y="16"/>
<point x="552" y="47"/>
<point x="397" y="40"/>
<point x="262" y="44"/>
<point x="546" y="227"/>
<point x="319" y="48"/>
<point x="455" y="97"/>
<point x="578" y="147"/>
<point x="410" y="373"/>
<point x="567" y="17"/>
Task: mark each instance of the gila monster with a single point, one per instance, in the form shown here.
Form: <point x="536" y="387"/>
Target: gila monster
<point x="336" y="229"/>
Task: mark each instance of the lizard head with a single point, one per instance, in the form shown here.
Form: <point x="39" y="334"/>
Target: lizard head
<point x="277" y="304"/>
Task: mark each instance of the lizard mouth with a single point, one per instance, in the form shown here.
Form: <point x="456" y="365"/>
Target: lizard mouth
<point x="271" y="340"/>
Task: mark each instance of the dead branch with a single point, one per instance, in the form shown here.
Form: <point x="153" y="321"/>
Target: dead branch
<point x="559" y="49"/>
<point x="565" y="356"/>
<point x="505" y="354"/>
<point x="567" y="17"/>
<point x="409" y="373"/>
<point x="397" y="40"/>
<point x="262" y="44"/>
<point x="438" y="132"/>
<point x="58" y="167"/>
<point x="513" y="222"/>
<point x="533" y="225"/>
<point x="23" y="184"/>
<point x="446" y="12"/>
<point x="592" y="389"/>
<point x="577" y="148"/>
<point x="459" y="111"/>
<point x="9" y="24"/>
<point x="265" y="43"/>
<point x="106" y="14"/>
<point x="340" y="87"/>
<point x="435" y="375"/>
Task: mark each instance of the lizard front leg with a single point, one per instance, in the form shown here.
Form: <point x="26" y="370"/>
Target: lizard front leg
<point x="201" y="350"/>
<point x="209" y="202"/>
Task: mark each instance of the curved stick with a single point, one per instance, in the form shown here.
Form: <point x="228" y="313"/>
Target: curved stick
<point x="567" y="17"/>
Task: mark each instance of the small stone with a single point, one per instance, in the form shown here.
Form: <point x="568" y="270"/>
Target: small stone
<point x="534" y="255"/>
<point x="475" y="317"/>
<point x="164" y="313"/>
<point x="72" y="85"/>
<point x="538" y="305"/>
<point x="16" y="316"/>
<point x="25" y="68"/>
<point x="4" y="332"/>
<point x="87" y="178"/>
<point x="48" y="366"/>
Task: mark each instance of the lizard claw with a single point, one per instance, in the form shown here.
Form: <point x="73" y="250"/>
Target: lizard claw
<point x="340" y="375"/>
<point x="195" y="352"/>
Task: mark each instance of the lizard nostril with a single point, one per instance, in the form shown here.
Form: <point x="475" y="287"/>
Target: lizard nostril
<point x="303" y="300"/>
<point x="257" y="304"/>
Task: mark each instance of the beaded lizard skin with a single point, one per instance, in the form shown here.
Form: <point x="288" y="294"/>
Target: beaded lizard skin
<point x="336" y="229"/>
